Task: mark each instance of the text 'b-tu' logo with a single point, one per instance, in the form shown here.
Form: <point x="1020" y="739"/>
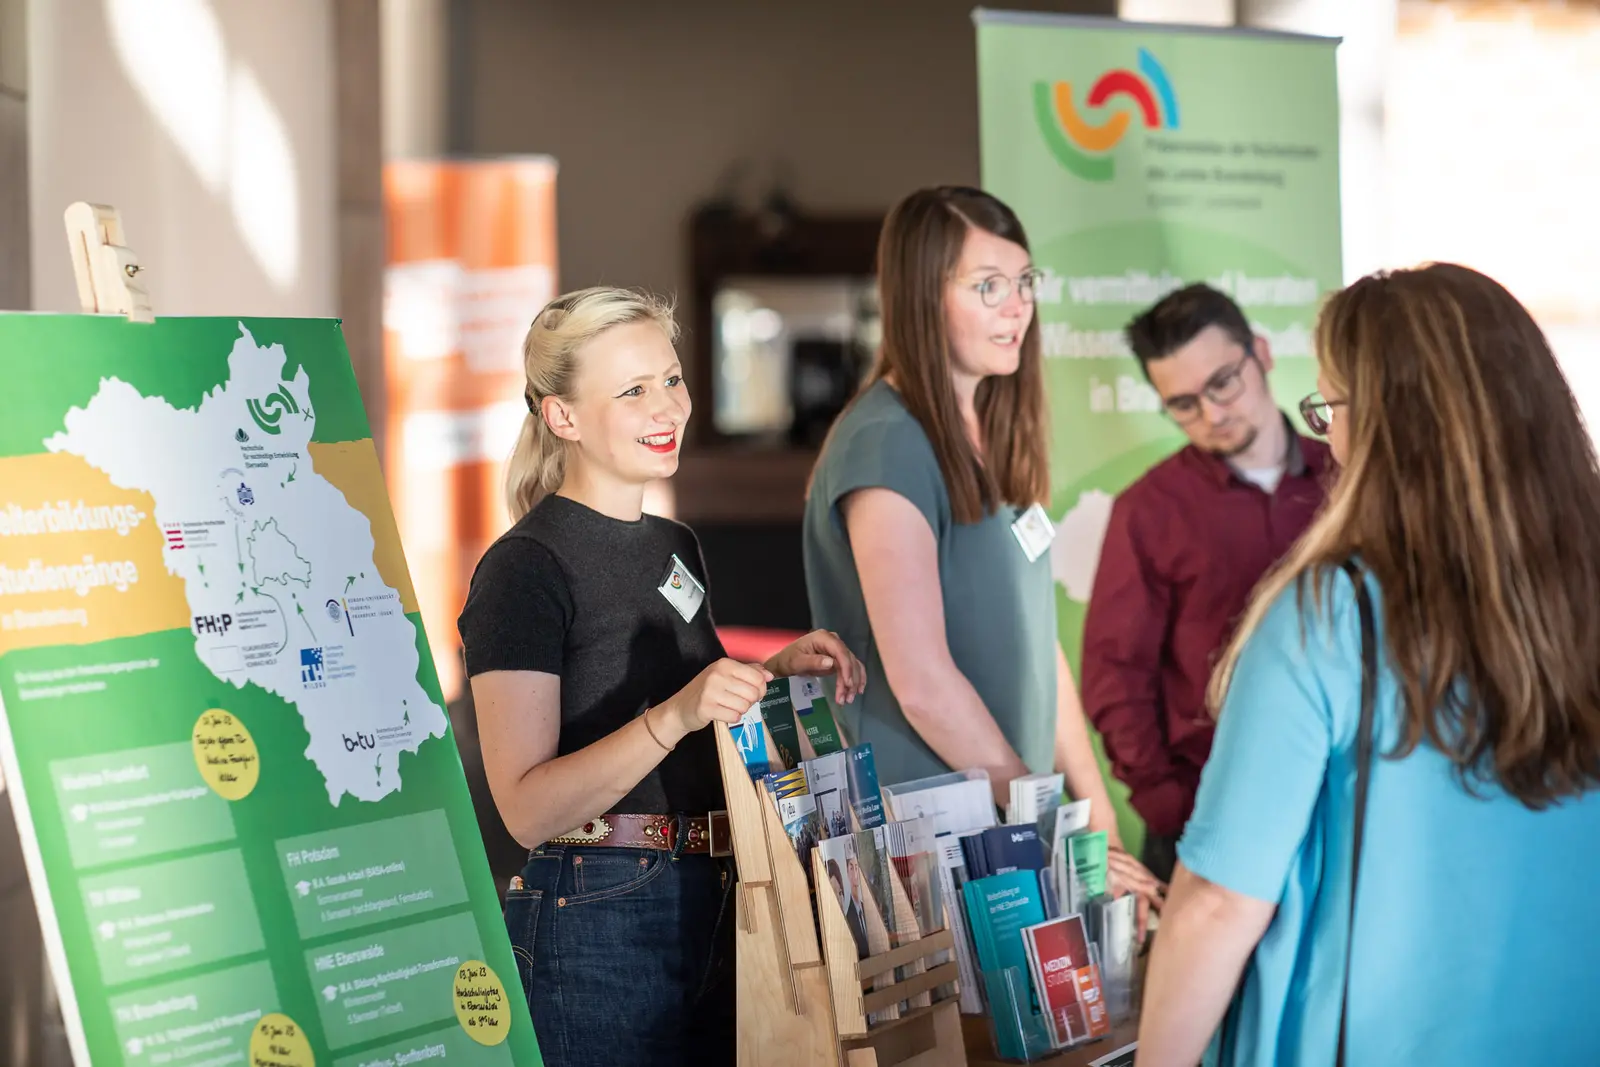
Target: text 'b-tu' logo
<point x="269" y="412"/>
<point x="1081" y="145"/>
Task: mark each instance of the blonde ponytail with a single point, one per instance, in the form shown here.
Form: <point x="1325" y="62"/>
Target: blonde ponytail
<point x="537" y="465"/>
<point x="550" y="354"/>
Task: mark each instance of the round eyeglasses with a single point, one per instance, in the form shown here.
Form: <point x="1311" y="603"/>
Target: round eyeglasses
<point x="994" y="289"/>
<point x="1222" y="389"/>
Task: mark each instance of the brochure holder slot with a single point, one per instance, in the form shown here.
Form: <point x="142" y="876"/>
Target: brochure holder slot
<point x="1009" y="996"/>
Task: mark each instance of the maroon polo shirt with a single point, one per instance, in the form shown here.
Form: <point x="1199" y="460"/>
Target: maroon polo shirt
<point x="1185" y="546"/>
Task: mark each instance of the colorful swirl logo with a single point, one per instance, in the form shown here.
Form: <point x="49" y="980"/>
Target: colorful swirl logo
<point x="1082" y="147"/>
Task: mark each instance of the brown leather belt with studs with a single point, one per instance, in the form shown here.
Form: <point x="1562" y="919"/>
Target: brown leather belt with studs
<point x="703" y="834"/>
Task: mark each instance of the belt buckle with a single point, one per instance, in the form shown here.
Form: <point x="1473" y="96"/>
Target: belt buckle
<point x="592" y="832"/>
<point x="719" y="841"/>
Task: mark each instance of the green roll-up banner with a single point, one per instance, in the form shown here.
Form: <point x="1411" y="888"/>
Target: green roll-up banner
<point x="1141" y="158"/>
<point x="245" y="819"/>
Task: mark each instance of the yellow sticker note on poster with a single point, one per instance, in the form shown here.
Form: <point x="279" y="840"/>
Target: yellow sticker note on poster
<point x="481" y="1004"/>
<point x="226" y="754"/>
<point x="278" y="1041"/>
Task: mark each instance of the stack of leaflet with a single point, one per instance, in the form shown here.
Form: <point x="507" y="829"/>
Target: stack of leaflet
<point x="914" y="848"/>
<point x="1078" y="858"/>
<point x="1035" y="798"/>
<point x="798" y="720"/>
<point x="883" y="873"/>
<point x="1066" y="980"/>
<point x="955" y="804"/>
<point x="999" y="908"/>
<point x="1001" y="850"/>
<point x="793" y="723"/>
<point x="797" y="810"/>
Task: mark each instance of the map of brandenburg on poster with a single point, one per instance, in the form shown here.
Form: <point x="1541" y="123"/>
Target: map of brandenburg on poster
<point x="277" y="567"/>
<point x="245" y="820"/>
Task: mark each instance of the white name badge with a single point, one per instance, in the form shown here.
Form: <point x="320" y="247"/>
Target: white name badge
<point x="1034" y="532"/>
<point x="683" y="590"/>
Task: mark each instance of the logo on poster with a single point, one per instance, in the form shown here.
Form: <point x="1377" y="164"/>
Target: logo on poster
<point x="360" y="740"/>
<point x="212" y="624"/>
<point x="269" y="412"/>
<point x="311" y="666"/>
<point x="1081" y="146"/>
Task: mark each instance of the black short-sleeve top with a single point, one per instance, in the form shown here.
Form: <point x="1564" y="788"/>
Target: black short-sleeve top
<point x="572" y="592"/>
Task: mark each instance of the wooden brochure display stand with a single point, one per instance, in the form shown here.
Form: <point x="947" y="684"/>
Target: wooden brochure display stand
<point x="802" y="1001"/>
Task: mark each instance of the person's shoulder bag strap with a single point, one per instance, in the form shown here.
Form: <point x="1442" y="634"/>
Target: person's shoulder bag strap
<point x="1364" y="744"/>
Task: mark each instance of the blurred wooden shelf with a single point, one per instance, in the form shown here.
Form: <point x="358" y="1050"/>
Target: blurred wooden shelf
<point x="741" y="485"/>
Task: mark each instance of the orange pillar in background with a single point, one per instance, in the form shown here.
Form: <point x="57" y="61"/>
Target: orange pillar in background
<point x="472" y="258"/>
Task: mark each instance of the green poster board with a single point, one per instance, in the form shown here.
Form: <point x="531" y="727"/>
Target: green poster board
<point x="1141" y="158"/>
<point x="245" y="818"/>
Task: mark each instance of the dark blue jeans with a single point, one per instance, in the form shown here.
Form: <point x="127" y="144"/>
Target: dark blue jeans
<point x="626" y="955"/>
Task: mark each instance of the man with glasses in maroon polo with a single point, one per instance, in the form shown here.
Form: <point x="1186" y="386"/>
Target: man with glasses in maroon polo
<point x="1185" y="546"/>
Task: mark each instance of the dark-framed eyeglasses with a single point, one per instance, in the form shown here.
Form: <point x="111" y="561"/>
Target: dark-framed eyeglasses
<point x="1318" y="412"/>
<point x="994" y="289"/>
<point x="1222" y="389"/>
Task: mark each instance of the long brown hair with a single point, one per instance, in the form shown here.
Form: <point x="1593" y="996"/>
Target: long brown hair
<point x="1471" y="493"/>
<point x="918" y="251"/>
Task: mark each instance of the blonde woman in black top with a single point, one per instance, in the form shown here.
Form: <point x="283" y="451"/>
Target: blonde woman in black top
<point x="595" y="665"/>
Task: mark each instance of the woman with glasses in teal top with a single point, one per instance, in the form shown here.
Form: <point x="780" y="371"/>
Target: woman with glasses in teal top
<point x="925" y="540"/>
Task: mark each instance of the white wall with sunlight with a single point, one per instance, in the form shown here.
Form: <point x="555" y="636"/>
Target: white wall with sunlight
<point x="210" y="125"/>
<point x="1492" y="157"/>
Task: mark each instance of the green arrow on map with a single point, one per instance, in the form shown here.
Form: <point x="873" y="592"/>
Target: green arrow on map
<point x="348" y="582"/>
<point x="302" y="613"/>
<point x="378" y="767"/>
<point x="405" y="720"/>
<point x="240" y="598"/>
<point x="291" y="473"/>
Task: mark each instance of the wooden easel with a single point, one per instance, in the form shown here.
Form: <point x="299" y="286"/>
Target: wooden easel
<point x="105" y="267"/>
<point x="801" y="997"/>
<point x="106" y="271"/>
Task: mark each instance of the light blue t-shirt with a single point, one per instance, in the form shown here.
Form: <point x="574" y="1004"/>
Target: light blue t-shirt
<point x="1477" y="938"/>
